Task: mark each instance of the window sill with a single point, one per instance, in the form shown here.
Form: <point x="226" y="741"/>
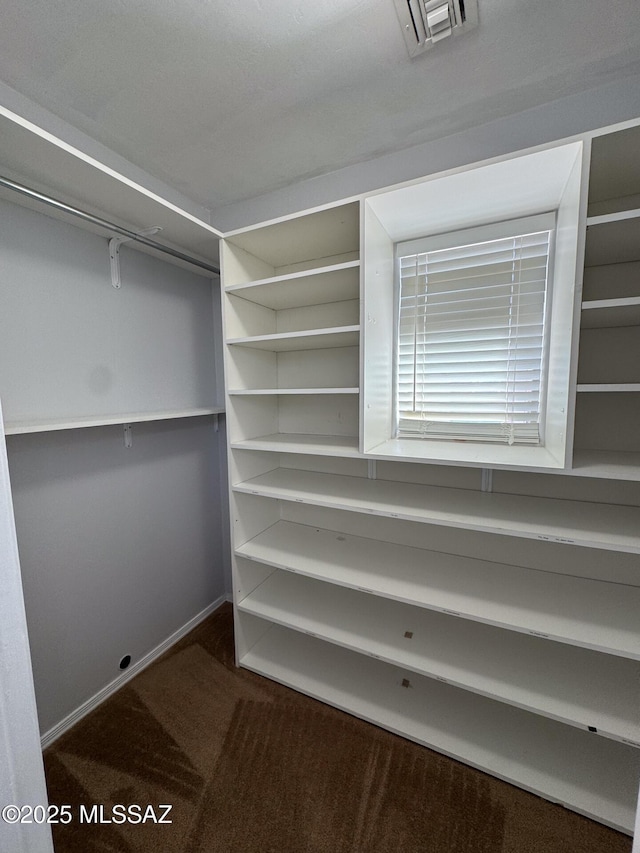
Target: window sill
<point x="466" y="453"/>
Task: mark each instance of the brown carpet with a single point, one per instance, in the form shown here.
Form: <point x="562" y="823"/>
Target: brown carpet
<point x="252" y="767"/>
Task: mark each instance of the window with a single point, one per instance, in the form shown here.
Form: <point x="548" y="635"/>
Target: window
<point x="470" y="344"/>
<point x="474" y="369"/>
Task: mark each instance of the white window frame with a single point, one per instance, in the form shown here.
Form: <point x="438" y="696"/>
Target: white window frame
<point x="544" y="222"/>
<point x="522" y="185"/>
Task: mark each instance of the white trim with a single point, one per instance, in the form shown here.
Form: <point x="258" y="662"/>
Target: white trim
<point x="98" y="698"/>
<point x="22" y="779"/>
<point x="107" y="170"/>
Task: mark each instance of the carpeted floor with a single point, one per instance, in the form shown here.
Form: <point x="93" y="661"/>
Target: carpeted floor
<point x="249" y="766"/>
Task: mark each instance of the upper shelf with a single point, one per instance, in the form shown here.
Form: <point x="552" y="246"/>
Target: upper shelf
<point x="55" y="424"/>
<point x="302" y="239"/>
<point x="333" y="283"/>
<point x="36" y="158"/>
<point x="614" y="182"/>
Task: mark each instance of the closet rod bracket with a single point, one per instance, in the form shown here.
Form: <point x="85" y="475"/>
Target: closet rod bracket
<point x="114" y="252"/>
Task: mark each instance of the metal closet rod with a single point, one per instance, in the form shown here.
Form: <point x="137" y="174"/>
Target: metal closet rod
<point x="103" y="223"/>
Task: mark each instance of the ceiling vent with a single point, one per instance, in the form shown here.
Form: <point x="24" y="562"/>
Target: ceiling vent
<point x="426" y="22"/>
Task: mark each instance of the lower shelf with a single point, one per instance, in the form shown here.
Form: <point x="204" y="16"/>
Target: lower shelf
<point x="591" y="775"/>
<point x="595" y="692"/>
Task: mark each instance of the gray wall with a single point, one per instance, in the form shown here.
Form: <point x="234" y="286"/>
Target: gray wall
<point x="120" y="547"/>
<point x="615" y="102"/>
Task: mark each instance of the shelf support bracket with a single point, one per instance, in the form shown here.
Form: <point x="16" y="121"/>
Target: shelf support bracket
<point x="487" y="480"/>
<point x="128" y="436"/>
<point x="114" y="252"/>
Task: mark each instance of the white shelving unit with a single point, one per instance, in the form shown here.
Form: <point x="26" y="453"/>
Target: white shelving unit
<point x="500" y="628"/>
<point x="608" y="404"/>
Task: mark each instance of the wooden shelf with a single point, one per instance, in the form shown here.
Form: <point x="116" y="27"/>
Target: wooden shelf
<point x="21" y="427"/>
<point x="615" y="528"/>
<point x="591" y="775"/>
<point x="35" y="157"/>
<point x="277" y="392"/>
<point x="308" y="237"/>
<point x="333" y="283"/>
<point x="592" y="614"/>
<point x="315" y="445"/>
<point x="341" y="336"/>
<point x="606" y="464"/>
<point x="615" y="216"/>
<point x="613" y="240"/>
<point x="582" y="688"/>
<point x="609" y="388"/>
<point x="604" y="313"/>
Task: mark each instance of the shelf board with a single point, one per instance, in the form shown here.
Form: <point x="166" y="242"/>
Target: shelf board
<point x="303" y="237"/>
<point x="604" y="313"/>
<point x="54" y="424"/>
<point x="277" y="392"/>
<point x="615" y="528"/>
<point x="315" y="445"/>
<point x="340" y="336"/>
<point x="614" y="216"/>
<point x="606" y="464"/>
<point x="333" y="283"/>
<point x="46" y="163"/>
<point x="582" y="612"/>
<point x="608" y="387"/>
<point x="591" y="775"/>
<point x="612" y="241"/>
<point x="574" y="686"/>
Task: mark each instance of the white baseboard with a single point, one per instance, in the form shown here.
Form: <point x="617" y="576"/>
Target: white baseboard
<point x="75" y="716"/>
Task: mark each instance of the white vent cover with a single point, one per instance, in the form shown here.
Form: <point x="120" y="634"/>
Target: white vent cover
<point x="426" y="22"/>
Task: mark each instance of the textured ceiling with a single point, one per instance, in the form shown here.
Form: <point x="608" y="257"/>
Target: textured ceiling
<point x="226" y="101"/>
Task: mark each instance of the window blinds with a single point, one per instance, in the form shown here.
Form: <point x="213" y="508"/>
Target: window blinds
<point x="471" y="341"/>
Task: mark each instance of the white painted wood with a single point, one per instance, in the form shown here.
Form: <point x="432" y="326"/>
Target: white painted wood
<point x="330" y="367"/>
<point x="509" y="188"/>
<point x="607" y="464"/>
<point x="238" y="266"/>
<point x="28" y="152"/>
<point x="574" y="686"/>
<point x="342" y="336"/>
<point x="615" y="175"/>
<point x="617" y="216"/>
<point x="127" y="418"/>
<point x="578" y="611"/>
<point x="291" y="391"/>
<point x="609" y="355"/>
<point x="377" y="404"/>
<point x="566" y="271"/>
<point x="327" y="315"/>
<point x="333" y="283"/>
<point x="588" y="774"/>
<point x="22" y="779"/>
<point x="603" y="313"/>
<point x="613" y="242"/>
<point x="569" y="522"/>
<point x="321" y="445"/>
<point x="312" y="237"/>
<point x="612" y="281"/>
<point x="609" y="387"/>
